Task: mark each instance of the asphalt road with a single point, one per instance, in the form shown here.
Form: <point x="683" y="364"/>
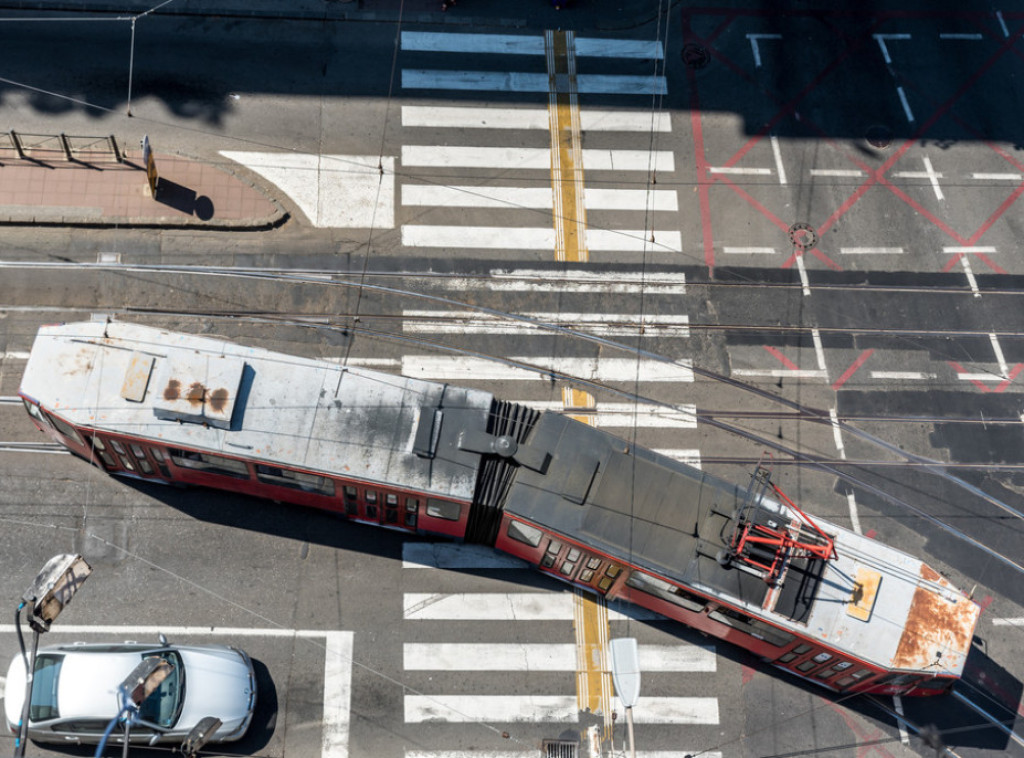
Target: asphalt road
<point x="825" y="245"/>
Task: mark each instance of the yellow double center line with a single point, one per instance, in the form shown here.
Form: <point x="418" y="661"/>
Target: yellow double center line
<point x="590" y="615"/>
<point x="569" y="213"/>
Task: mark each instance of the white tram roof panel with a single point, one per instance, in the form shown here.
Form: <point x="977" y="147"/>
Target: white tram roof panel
<point x="673" y="519"/>
<point x="209" y="394"/>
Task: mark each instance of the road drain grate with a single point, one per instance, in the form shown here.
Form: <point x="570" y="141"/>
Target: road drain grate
<point x="560" y="749"/>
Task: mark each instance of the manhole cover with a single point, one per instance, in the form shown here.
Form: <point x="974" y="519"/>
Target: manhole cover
<point x="879" y="137"/>
<point x="695" y="56"/>
<point x="803" y="235"/>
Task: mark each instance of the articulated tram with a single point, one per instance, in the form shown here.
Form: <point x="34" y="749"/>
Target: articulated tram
<point x="741" y="563"/>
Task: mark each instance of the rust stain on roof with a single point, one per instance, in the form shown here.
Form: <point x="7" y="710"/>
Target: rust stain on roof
<point x="173" y="390"/>
<point x="219" y="399"/>
<point x="196" y="393"/>
<point x="936" y="628"/>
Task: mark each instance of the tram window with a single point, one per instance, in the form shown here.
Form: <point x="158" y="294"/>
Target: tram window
<point x="898" y="680"/>
<point x="593" y="564"/>
<point x="752" y="626"/>
<point x="371" y="512"/>
<point x="605" y="584"/>
<point x="351" y="493"/>
<point x="814" y="662"/>
<point x="371" y="496"/>
<point x="283" y="477"/>
<point x="33" y="411"/>
<point x="214" y="464"/>
<point x="391" y="515"/>
<point x="412" y="504"/>
<point x="586" y="575"/>
<point x="126" y="463"/>
<point x="161" y="460"/>
<point x="158" y="454"/>
<point x="520" y="532"/>
<point x="567" y="567"/>
<point x="833" y="670"/>
<point x="391" y="500"/>
<point x="118" y="447"/>
<point x="846" y="681"/>
<point x="64" y="428"/>
<point x="794" y="653"/>
<point x="652" y="585"/>
<point x="140" y="456"/>
<point x="410" y="519"/>
<point x="101" y="450"/>
<point x="822" y="657"/>
<point x="554" y="547"/>
<point x="443" y="509"/>
<point x="573" y="555"/>
<point x="551" y="554"/>
<point x="613" y="571"/>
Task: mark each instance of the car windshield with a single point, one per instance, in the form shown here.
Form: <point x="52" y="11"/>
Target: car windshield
<point x="164" y="706"/>
<point x="44" y="687"/>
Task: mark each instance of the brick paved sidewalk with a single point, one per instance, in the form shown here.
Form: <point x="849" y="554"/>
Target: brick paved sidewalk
<point x="189" y="194"/>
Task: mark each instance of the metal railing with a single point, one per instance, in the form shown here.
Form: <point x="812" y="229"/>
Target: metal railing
<point x="42" y="147"/>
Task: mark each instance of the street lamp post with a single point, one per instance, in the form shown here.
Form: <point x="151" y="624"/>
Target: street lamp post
<point x="136" y="687"/>
<point x="52" y="589"/>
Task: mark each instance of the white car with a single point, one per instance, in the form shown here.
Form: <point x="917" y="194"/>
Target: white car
<point x="75" y="692"/>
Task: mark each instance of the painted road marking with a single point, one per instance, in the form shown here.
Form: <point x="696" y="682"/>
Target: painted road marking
<point x="498" y="606"/>
<point x="455" y="555"/>
<point x="332" y="191"/>
<point x="603" y="324"/>
<point x="536" y="238"/>
<point x="467" y="196"/>
<point x="1004" y="368"/>
<point x="337" y="692"/>
<point x="593" y="672"/>
<point x="462" y="709"/>
<point x="871" y="251"/>
<point x="997" y="177"/>
<point x="881" y="38"/>
<point x="749" y="250"/>
<point x="960" y="35"/>
<point x="690" y="457"/>
<point x="906" y="104"/>
<point x="451" y="656"/>
<point x="533" y="754"/>
<point x="842" y="172"/>
<point x="907" y="375"/>
<point x="740" y="170"/>
<point x="777" y="152"/>
<point x="589" y="369"/>
<point x="460" y="117"/>
<point x="1002" y="24"/>
<point x="628" y="415"/>
<point x="929" y="173"/>
<point x="531" y="158"/>
<point x="523" y="44"/>
<point x="569" y="214"/>
<point x="514" y="81"/>
<point x="754" y="47"/>
<point x="571" y="281"/>
<point x="781" y="372"/>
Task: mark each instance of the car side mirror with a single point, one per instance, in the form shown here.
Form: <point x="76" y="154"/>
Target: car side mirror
<point x="163" y="638"/>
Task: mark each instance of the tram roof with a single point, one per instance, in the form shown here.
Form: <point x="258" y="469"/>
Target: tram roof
<point x="216" y="396"/>
<point x="672" y="519"/>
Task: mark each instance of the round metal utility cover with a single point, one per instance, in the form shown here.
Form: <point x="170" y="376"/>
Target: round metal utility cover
<point x="803" y="235"/>
<point x="879" y="136"/>
<point x="695" y="56"/>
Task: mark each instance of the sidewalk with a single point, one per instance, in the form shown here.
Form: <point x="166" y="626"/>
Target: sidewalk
<point x="107" y="194"/>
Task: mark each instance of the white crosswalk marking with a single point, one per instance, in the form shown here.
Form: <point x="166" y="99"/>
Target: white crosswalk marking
<point x="602" y="324"/>
<point x="536" y="158"/>
<point x="539" y="238"/>
<point x="573" y="281"/>
<point x="462" y="709"/>
<point x="511" y="606"/>
<point x="467" y="196"/>
<point x="460" y="368"/>
<point x="533" y="754"/>
<point x="591" y="120"/>
<point x="544" y="657"/>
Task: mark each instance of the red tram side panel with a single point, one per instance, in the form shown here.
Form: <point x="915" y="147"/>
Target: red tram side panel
<point x="825" y="604"/>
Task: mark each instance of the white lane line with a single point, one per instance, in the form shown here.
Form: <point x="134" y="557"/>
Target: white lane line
<point x="450" y="656"/>
<point x="332" y="191"/>
<point x="337" y="694"/>
<point x="740" y="170"/>
<point x="972" y="281"/>
<point x="536" y="238"/>
<point x="496" y="606"/>
<point x="748" y="250"/>
<point x="574" y="281"/>
<point x="1009" y="621"/>
<point x="518" y="81"/>
<point x="445" y="555"/>
<point x="179" y="631"/>
<point x="1002" y="23"/>
<point x="690" y="457"/>
<point x="881" y="38"/>
<point x="461" y="709"/>
<point x="604" y="324"/>
<point x="871" y="251"/>
<point x="801" y="268"/>
<point x="997" y="177"/>
<point x="624" y="121"/>
<point x="953" y="249"/>
<point x="850" y="172"/>
<point x="628" y="415"/>
<point x="960" y="35"/>
<point x="907" y="375"/>
<point x="449" y="42"/>
<point x="803" y="373"/>
<point x="589" y="369"/>
<point x="15" y="355"/>
<point x="533" y="754"/>
<point x="434" y="195"/>
<point x="897" y="702"/>
<point x="854" y="518"/>
<point x="777" y="152"/>
<point x="755" y="48"/>
<point x="837" y="433"/>
<point x="592" y="47"/>
<point x="455" y="117"/>
<point x="464" y="709"/>
<point x="467" y="196"/>
<point x="1004" y="368"/>
<point x="819" y="350"/>
<point x="531" y="158"/>
<point x="906" y="104"/>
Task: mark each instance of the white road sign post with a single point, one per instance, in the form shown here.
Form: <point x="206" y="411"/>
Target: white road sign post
<point x="626" y="678"/>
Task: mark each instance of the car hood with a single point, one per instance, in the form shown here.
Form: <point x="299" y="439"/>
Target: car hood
<point x="217" y="683"/>
<point x="14" y="691"/>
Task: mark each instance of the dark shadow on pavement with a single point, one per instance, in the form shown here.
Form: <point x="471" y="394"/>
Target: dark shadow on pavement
<point x="184" y="199"/>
